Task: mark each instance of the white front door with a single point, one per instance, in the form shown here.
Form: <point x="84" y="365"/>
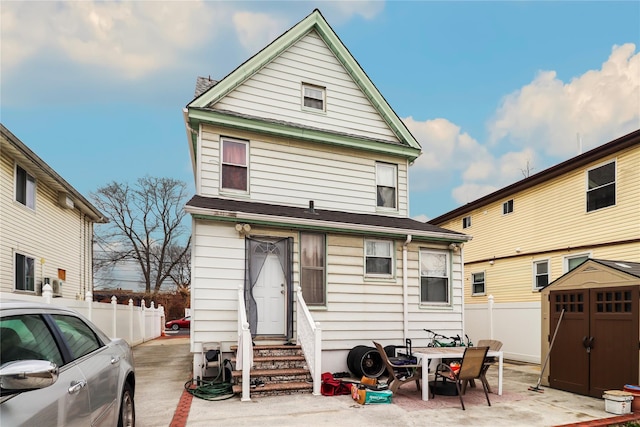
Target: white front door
<point x="269" y="293"/>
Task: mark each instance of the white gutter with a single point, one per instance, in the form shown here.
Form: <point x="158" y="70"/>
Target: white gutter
<point x="405" y="288"/>
<point x="243" y="216"/>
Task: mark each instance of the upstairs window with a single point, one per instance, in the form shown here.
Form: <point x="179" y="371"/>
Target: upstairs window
<point x="313" y="97"/>
<point x="507" y="207"/>
<point x="466" y="222"/>
<point x="378" y="258"/>
<point x="25" y="273"/>
<point x="25" y="188"/>
<point x="434" y="277"/>
<point x="386" y="184"/>
<point x="601" y="187"/>
<point x="235" y="162"/>
<point x="312" y="267"/>
<point x="540" y="274"/>
<point x="477" y="283"/>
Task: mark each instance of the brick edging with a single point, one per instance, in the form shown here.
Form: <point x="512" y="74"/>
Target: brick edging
<point x="182" y="410"/>
<point x="602" y="422"/>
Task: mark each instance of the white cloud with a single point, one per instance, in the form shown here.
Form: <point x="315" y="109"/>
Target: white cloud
<point x="257" y="30"/>
<point x="130" y="38"/>
<point x="346" y="9"/>
<point x="599" y="105"/>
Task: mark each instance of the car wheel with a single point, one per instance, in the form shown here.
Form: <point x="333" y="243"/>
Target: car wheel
<point x="127" y="408"/>
<point x="175" y="326"/>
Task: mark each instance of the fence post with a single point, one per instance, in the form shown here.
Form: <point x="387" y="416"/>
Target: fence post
<point x="490" y="316"/>
<point x="130" y="321"/>
<point x="88" y="298"/>
<point x="47" y="293"/>
<point x="143" y="319"/>
<point x="162" y="319"/>
<point x="114" y="325"/>
<point x="154" y="314"/>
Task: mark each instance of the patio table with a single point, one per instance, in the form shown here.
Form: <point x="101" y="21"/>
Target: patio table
<point x="425" y="354"/>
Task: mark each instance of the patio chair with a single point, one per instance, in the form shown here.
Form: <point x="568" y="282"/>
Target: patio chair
<point x="398" y="371"/>
<point x="494" y="345"/>
<point x="470" y="369"/>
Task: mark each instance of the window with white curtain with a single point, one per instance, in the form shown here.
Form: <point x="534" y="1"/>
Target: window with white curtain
<point x="386" y="184"/>
<point x="235" y="161"/>
<point x="313" y="97"/>
<point x="378" y="258"/>
<point x="435" y="286"/>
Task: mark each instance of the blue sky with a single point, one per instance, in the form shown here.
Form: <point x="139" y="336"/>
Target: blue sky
<point x="96" y="88"/>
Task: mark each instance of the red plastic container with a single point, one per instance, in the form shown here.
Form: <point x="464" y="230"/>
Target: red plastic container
<point x="635" y="390"/>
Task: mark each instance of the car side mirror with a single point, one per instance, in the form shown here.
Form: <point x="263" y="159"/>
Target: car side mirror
<point x="27" y="375"/>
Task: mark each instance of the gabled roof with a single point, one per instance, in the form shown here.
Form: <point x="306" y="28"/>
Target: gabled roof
<point x="626" y="141"/>
<point x="317" y="219"/>
<point x="20" y="151"/>
<point x="627" y="267"/>
<point x="314" y="21"/>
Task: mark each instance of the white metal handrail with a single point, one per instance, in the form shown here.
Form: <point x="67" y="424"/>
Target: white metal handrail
<point x="244" y="356"/>
<point x="310" y="339"/>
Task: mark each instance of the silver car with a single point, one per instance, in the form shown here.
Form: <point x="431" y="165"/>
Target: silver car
<point x="58" y="369"/>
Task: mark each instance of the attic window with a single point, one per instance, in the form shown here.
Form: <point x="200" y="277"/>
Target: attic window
<point x="507" y="207"/>
<point x="313" y="97"/>
<point x="466" y="222"/>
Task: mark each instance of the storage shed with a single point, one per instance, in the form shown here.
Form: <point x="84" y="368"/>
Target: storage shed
<point x="597" y="343"/>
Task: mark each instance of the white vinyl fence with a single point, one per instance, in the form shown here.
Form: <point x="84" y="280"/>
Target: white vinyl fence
<point x="132" y="323"/>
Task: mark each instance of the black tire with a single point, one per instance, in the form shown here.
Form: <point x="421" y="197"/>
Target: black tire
<point x="175" y="326"/>
<point x="127" y="416"/>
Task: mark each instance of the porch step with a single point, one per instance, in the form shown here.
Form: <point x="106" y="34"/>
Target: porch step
<point x="278" y="370"/>
<point x="277" y="389"/>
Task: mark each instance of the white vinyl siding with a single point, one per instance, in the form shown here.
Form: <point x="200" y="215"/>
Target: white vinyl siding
<point x="55" y="237"/>
<point x="288" y="173"/>
<point x="274" y="93"/>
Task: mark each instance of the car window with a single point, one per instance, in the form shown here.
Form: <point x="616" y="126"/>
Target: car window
<point x="80" y="338"/>
<point x="27" y="337"/>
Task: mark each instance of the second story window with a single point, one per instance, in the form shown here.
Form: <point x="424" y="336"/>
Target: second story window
<point x="235" y="162"/>
<point x="25" y="188"/>
<point x="601" y="187"/>
<point x="466" y="222"/>
<point x="507" y="207"/>
<point x="313" y="97"/>
<point x="386" y="185"/>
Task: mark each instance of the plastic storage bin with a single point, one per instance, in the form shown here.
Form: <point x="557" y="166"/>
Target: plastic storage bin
<point x="617" y="402"/>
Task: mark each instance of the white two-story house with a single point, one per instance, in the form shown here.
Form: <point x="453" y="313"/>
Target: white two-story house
<point x="301" y="172"/>
<point x="46" y="226"/>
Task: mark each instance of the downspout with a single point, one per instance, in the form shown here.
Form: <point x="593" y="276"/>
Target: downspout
<point x="405" y="288"/>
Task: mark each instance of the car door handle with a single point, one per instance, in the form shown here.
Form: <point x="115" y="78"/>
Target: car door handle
<point x="76" y="386"/>
<point x="115" y="360"/>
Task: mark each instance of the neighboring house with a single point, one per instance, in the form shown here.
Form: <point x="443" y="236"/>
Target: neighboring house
<point x="530" y="233"/>
<point x="301" y="173"/>
<point x="46" y="226"/>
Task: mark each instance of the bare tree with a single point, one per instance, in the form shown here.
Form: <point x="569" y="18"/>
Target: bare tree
<point x="526" y="171"/>
<point x="146" y="226"/>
